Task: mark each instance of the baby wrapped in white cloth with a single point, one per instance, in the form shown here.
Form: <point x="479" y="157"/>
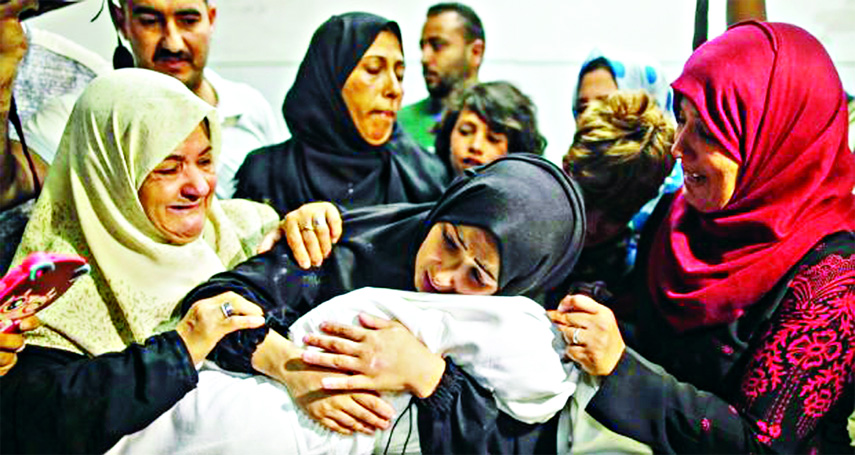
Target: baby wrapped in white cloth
<point x="506" y="343"/>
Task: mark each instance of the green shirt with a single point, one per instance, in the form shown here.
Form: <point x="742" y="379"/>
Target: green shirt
<point x="419" y="119"/>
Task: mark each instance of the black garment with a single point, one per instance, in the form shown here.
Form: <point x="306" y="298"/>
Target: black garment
<point x="605" y="266"/>
<point x="12" y="223"/>
<point x="55" y="401"/>
<point x="326" y="159"/>
<point x="532" y="209"/>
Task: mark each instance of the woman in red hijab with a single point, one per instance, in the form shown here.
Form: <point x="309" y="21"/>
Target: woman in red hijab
<point x="750" y="277"/>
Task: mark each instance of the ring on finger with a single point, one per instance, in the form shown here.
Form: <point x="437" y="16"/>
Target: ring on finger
<point x="227" y="309"/>
<point x="575" y="340"/>
<point x="307" y="227"/>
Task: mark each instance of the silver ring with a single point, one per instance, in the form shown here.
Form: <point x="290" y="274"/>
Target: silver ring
<point x="227" y="309"/>
<point x="307" y="227"/>
<point x="575" y="340"/>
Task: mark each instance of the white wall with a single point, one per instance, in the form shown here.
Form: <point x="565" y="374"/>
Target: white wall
<point x="536" y="44"/>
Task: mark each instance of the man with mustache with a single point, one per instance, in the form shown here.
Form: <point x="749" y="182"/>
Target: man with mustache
<point x="173" y="37"/>
<point x="452" y="44"/>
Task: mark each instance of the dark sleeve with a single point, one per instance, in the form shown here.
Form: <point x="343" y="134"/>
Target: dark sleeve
<point x="795" y="377"/>
<point x="55" y="401"/>
<point x="462" y="417"/>
<point x="274" y="282"/>
<point x="250" y="177"/>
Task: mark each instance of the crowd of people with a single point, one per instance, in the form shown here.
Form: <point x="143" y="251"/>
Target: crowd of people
<point x="420" y="279"/>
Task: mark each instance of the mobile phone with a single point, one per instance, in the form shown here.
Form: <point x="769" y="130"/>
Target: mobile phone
<point x="36" y="283"/>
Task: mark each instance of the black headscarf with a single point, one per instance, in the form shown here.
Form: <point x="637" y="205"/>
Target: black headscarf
<point x="327" y="158"/>
<point x="530" y="206"/>
<point x="534" y="211"/>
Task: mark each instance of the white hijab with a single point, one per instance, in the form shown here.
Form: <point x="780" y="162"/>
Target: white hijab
<point x="122" y="126"/>
<point x="640" y="73"/>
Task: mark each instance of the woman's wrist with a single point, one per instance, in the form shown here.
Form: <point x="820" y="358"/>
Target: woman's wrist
<point x="427" y="381"/>
<point x="272" y="355"/>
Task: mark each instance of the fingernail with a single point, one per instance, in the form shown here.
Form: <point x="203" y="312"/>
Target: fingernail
<point x="256" y="320"/>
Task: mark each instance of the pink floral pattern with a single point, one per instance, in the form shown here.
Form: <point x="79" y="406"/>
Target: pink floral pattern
<point x="807" y="356"/>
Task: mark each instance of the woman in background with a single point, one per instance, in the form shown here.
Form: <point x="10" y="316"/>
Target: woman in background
<point x="347" y="146"/>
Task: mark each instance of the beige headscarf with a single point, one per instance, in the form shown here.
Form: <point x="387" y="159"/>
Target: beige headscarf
<point x="123" y="125"/>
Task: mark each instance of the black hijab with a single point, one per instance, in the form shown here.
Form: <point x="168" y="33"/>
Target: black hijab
<point x="327" y="158"/>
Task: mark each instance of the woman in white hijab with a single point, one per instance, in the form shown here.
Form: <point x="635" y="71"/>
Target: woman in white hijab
<point x="132" y="191"/>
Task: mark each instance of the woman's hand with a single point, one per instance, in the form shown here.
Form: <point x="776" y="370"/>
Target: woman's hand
<point x="592" y="334"/>
<point x="343" y="412"/>
<point x="311" y="231"/>
<point x="207" y="322"/>
<point x="384" y="355"/>
<point x="12" y="343"/>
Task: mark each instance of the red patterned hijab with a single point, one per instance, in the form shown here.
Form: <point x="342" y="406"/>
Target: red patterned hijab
<point x="771" y="96"/>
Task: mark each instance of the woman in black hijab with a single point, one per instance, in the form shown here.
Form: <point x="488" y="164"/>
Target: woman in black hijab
<point x="347" y="146"/>
<point x="529" y="210"/>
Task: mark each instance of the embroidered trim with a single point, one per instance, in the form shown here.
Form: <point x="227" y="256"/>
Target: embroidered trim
<point x="807" y="357"/>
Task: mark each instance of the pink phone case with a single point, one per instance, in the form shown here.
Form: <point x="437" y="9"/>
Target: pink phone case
<point x="36" y="283"/>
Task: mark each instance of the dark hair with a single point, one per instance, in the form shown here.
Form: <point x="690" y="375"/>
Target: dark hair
<point x="621" y="153"/>
<point x="503" y="108"/>
<point x="595" y="64"/>
<point x="471" y="22"/>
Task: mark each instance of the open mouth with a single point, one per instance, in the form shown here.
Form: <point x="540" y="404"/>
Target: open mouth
<point x="427" y="284"/>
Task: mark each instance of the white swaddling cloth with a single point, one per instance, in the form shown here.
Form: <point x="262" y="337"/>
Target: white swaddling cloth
<point x="506" y="343"/>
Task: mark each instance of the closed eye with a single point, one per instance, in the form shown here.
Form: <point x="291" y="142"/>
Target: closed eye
<point x="190" y="19"/>
<point x="147" y="19"/>
<point x="477" y="277"/>
<point x="169" y="170"/>
<point x="448" y="241"/>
